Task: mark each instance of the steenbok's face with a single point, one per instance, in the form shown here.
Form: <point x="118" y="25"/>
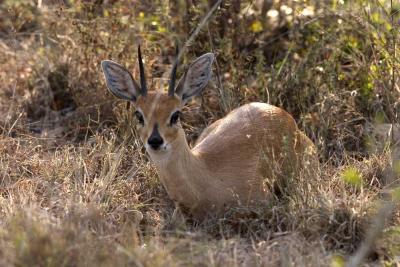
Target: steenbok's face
<point x="158" y="121"/>
<point x="158" y="113"/>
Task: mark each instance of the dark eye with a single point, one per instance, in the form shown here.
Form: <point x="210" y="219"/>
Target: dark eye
<point x="175" y="117"/>
<point x="139" y="117"/>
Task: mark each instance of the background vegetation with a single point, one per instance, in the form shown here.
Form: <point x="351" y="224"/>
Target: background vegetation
<point x="77" y="189"/>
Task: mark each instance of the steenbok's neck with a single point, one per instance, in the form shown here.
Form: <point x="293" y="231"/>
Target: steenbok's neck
<point x="182" y="172"/>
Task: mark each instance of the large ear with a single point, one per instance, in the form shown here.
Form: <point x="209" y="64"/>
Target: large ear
<point x="196" y="77"/>
<point x="119" y="81"/>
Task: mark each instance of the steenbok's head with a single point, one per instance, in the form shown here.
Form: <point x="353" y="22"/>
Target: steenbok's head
<point x="157" y="112"/>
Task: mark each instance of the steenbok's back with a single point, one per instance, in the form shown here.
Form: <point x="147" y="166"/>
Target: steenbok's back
<point x="237" y="159"/>
<point x="254" y="143"/>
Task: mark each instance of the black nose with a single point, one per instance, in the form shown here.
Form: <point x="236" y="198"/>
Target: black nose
<point x="155" y="140"/>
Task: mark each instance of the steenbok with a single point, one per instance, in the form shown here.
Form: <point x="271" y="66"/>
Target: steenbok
<point x="235" y="160"/>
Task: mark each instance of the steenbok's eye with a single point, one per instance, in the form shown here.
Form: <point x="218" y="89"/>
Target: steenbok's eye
<point x="139" y="117"/>
<point x="175" y="118"/>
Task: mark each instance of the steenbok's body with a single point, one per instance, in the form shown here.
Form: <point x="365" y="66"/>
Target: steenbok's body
<point x="237" y="159"/>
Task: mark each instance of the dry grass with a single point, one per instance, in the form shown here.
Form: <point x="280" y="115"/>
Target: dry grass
<point x="77" y="188"/>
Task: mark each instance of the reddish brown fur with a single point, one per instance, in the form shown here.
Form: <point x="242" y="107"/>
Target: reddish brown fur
<point x="157" y="108"/>
<point x="234" y="158"/>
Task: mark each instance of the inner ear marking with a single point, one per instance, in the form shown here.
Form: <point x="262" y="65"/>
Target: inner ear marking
<point x="196" y="77"/>
<point x="119" y="81"/>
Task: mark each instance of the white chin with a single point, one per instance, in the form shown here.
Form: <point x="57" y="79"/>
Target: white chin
<point x="164" y="148"/>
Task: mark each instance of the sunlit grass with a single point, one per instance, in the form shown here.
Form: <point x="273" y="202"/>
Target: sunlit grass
<point x="77" y="189"/>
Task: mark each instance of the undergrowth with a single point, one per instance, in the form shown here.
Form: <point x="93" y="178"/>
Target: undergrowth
<point x="77" y="189"/>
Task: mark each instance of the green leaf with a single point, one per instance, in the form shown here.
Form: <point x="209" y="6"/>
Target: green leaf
<point x="256" y="26"/>
<point x="352" y="176"/>
<point x="337" y="261"/>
